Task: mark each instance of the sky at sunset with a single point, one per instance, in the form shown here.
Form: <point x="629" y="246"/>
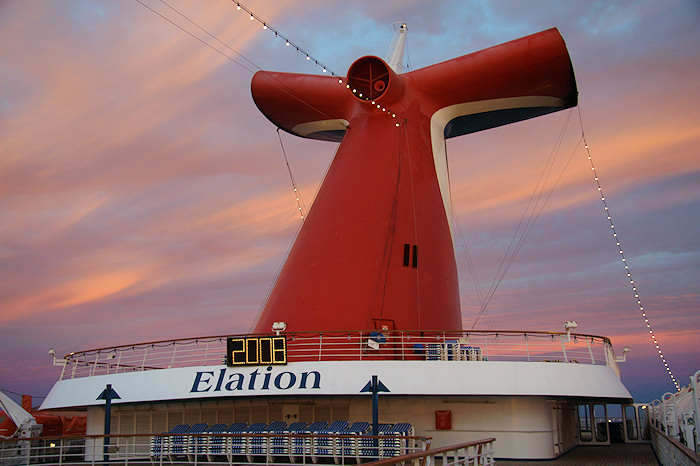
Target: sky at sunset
<point x="144" y="197"/>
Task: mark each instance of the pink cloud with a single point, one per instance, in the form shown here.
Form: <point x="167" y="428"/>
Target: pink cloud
<point x="138" y="180"/>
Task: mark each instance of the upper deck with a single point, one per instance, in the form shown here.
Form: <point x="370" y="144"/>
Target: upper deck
<point x="492" y="345"/>
<point x="461" y="363"/>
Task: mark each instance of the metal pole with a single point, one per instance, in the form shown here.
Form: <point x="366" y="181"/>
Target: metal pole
<point x="375" y="413"/>
<point x="694" y="386"/>
<point x="108" y="421"/>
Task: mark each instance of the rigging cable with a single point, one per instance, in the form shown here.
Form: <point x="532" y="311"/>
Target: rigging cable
<point x="470" y="266"/>
<point x="297" y="193"/>
<point x="618" y="242"/>
<point x="20" y="394"/>
<point x="288" y="43"/>
<point x="535" y="206"/>
<point x="211" y="35"/>
<point x="465" y="248"/>
<point x="199" y="39"/>
<point x="264" y="301"/>
<point x="415" y="220"/>
<point x="391" y="231"/>
<point x="266" y="26"/>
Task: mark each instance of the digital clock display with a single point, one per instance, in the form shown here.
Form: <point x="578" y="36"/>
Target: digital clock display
<point x="256" y="351"/>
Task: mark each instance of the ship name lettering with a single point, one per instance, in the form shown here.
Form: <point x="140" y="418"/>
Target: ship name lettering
<point x="210" y="381"/>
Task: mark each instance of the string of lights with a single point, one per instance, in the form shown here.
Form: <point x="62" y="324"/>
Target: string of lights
<point x="289" y="43"/>
<point x="618" y="242"/>
<point x="224" y="44"/>
<point x="140" y="2"/>
<point x="297" y="193"/>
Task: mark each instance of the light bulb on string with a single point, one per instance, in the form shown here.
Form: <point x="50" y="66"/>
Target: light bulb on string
<point x="624" y="261"/>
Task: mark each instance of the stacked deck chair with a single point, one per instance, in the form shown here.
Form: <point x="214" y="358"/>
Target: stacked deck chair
<point x="244" y="441"/>
<point x="178" y="445"/>
<point x="236" y="445"/>
<point x="193" y="441"/>
<point x="323" y="445"/>
<point x="452" y="350"/>
<point x="198" y="444"/>
<point x="348" y="446"/>
<point x="260" y="445"/>
<point x="368" y="446"/>
<point x="160" y="444"/>
<point x="281" y="445"/>
<point x="433" y="352"/>
<point x="300" y="447"/>
<point x="222" y="445"/>
<point x="396" y="443"/>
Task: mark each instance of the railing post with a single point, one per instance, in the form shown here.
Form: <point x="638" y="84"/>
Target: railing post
<point x="590" y="350"/>
<point x="172" y="360"/>
<point x="359" y="339"/>
<point x="694" y="386"/>
<point x="527" y="348"/>
<point x="609" y="357"/>
<point x="320" y="345"/>
<point x="403" y="348"/>
<point x="94" y="364"/>
<point x="145" y="353"/>
<point x="563" y="348"/>
<point x="119" y="362"/>
<point x="63" y="369"/>
<point x="95" y="450"/>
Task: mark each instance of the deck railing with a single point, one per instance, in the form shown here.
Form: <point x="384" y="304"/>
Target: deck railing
<point x="206" y="449"/>
<point x="495" y="345"/>
<point x="477" y="453"/>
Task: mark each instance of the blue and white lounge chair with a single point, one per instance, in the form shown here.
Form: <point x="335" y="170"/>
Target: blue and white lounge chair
<point x="349" y="446"/>
<point x="368" y="446"/>
<point x="179" y="443"/>
<point x="160" y="445"/>
<point x="300" y="447"/>
<point x="323" y="445"/>
<point x="396" y="443"/>
<point x="235" y="445"/>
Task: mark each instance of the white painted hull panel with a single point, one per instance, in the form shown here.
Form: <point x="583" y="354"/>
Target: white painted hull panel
<point x="346" y="378"/>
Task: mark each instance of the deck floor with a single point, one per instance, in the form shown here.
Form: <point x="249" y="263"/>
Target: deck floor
<point x="616" y="454"/>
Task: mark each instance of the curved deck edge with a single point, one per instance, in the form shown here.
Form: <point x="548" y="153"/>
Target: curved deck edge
<point x="346" y="378"/>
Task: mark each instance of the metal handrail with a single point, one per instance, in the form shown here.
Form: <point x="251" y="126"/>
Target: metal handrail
<point x="491" y="345"/>
<point x="222" y="338"/>
<point x="452" y="451"/>
<point x="141" y="448"/>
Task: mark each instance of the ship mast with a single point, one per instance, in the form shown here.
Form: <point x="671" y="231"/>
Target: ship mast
<point x="394" y="57"/>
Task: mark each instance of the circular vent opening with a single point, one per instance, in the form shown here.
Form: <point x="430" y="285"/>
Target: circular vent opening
<point x="369" y="77"/>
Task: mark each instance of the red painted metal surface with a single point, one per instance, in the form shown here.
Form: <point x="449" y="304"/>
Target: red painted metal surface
<point x="376" y="247"/>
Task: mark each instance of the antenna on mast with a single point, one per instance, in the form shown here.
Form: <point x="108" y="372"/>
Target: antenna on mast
<point x="394" y="57"/>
